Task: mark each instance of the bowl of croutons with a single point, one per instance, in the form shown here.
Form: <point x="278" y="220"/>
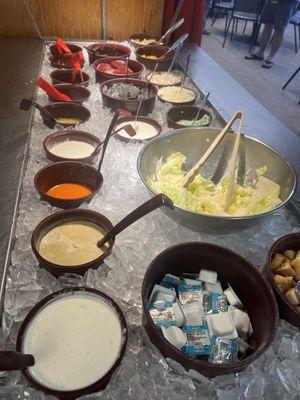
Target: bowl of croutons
<point x="283" y="272"/>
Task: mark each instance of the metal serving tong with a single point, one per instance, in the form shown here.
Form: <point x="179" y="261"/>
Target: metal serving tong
<point x="232" y="162"/>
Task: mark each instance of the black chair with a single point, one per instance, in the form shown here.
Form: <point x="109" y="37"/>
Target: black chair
<point x="224" y="7"/>
<point x="247" y="11"/>
<point x="295" y="20"/>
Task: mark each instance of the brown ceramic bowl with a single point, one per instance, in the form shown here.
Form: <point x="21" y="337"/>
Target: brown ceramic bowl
<point x="246" y="280"/>
<point x="287" y="242"/>
<point x="67" y="172"/>
<point x="135" y="66"/>
<point x="142" y="36"/>
<point x="100" y="384"/>
<point x="58" y="218"/>
<point x="107" y="49"/>
<point x="185" y="112"/>
<point x="158" y="51"/>
<point x="73" y="47"/>
<point x="62" y="61"/>
<point x="70" y="134"/>
<point x="77" y="93"/>
<point x="65" y="76"/>
<point x="150" y="121"/>
<point x="68" y="110"/>
<point x="147" y="105"/>
<point x="186" y="103"/>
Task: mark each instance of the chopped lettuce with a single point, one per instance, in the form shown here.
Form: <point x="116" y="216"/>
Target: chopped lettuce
<point x="203" y="196"/>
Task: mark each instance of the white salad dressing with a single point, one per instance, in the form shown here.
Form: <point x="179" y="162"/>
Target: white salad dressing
<point x="143" y="130"/>
<point x="75" y="340"/>
<point x="72" y="149"/>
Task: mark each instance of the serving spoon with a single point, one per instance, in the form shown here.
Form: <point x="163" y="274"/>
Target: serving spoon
<point x="48" y="119"/>
<point x="171" y="30"/>
<point x="14" y="360"/>
<point x="144" y="209"/>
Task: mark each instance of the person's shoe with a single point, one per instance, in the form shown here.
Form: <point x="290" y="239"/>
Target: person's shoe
<point x="205" y="32"/>
<point x="267" y="64"/>
<point x="253" y="56"/>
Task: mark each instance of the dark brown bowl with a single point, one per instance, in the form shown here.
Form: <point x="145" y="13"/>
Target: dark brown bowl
<point x="68" y="216"/>
<point x="158" y="51"/>
<point x="185" y="112"/>
<point x="62" y="61"/>
<point x="287" y="242"/>
<point x="100" y="384"/>
<point x="246" y="280"/>
<point x="68" y="110"/>
<point x="147" y="105"/>
<point x="65" y="76"/>
<point x="141" y="36"/>
<point x="73" y="47"/>
<point x="70" y="134"/>
<point x="77" y="93"/>
<point x="67" y="172"/>
<point x="107" y="49"/>
<point x="135" y="66"/>
<point x="150" y="121"/>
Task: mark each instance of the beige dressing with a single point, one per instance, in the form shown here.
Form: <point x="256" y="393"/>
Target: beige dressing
<point x="174" y="94"/>
<point x="72" y="149"/>
<point x="75" y="340"/>
<point x="72" y="243"/>
<point x="143" y="130"/>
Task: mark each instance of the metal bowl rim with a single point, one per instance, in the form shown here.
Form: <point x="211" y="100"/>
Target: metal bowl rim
<point x="216" y="217"/>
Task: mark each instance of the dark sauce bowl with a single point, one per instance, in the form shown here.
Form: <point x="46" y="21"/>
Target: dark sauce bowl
<point x="68" y="110"/>
<point x="176" y="114"/>
<point x="147" y="105"/>
<point x="246" y="280"/>
<point x="135" y="66"/>
<point x="67" y="172"/>
<point x="157" y="51"/>
<point x="142" y="36"/>
<point x="65" y="76"/>
<point x="77" y="93"/>
<point x="107" y="49"/>
<point x="101" y="383"/>
<point x="62" y="217"/>
<point x="286" y="310"/>
<point x="70" y="134"/>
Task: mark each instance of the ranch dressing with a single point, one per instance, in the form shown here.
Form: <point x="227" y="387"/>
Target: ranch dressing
<point x="72" y="149"/>
<point x="143" y="130"/>
<point x="72" y="243"/>
<point x="75" y="340"/>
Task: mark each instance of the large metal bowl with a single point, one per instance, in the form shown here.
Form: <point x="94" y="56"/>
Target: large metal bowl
<point x="193" y="143"/>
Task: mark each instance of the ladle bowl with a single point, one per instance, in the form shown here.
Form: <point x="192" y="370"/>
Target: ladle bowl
<point x="69" y="110"/>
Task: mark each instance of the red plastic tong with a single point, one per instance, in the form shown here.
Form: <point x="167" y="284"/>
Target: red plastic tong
<point x="51" y="90"/>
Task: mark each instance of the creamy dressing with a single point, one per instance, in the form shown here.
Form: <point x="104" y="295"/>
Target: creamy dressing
<point x="164" y="78"/>
<point x="72" y="149"/>
<point x="175" y="94"/>
<point x="143" y="130"/>
<point x="72" y="243"/>
<point x="75" y="340"/>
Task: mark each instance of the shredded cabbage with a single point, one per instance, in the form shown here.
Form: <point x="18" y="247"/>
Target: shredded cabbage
<point x="203" y="196"/>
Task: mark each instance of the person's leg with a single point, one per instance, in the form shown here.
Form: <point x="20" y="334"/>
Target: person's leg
<point x="276" y="42"/>
<point x="266" y="36"/>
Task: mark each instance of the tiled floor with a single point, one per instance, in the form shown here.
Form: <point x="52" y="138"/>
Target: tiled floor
<point x="264" y="85"/>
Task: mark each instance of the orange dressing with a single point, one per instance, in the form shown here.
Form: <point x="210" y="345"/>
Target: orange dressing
<point x="69" y="191"/>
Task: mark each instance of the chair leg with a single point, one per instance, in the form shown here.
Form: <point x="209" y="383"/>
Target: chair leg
<point x="299" y="34"/>
<point x="291" y="78"/>
<point x="236" y="26"/>
<point x="244" y="30"/>
<point x="226" y="31"/>
<point x="296" y="41"/>
<point x="254" y="36"/>
<point x="232" y="30"/>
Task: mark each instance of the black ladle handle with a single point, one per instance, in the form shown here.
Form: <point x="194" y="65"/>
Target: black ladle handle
<point x="14" y="361"/>
<point x="47" y="117"/>
<point x="117" y="114"/>
<point x="141" y="211"/>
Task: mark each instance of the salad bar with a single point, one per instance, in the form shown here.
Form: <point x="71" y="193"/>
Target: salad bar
<point x="178" y="304"/>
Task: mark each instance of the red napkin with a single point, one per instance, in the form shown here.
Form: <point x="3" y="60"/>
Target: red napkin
<point x="62" y="47"/>
<point x="51" y="91"/>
